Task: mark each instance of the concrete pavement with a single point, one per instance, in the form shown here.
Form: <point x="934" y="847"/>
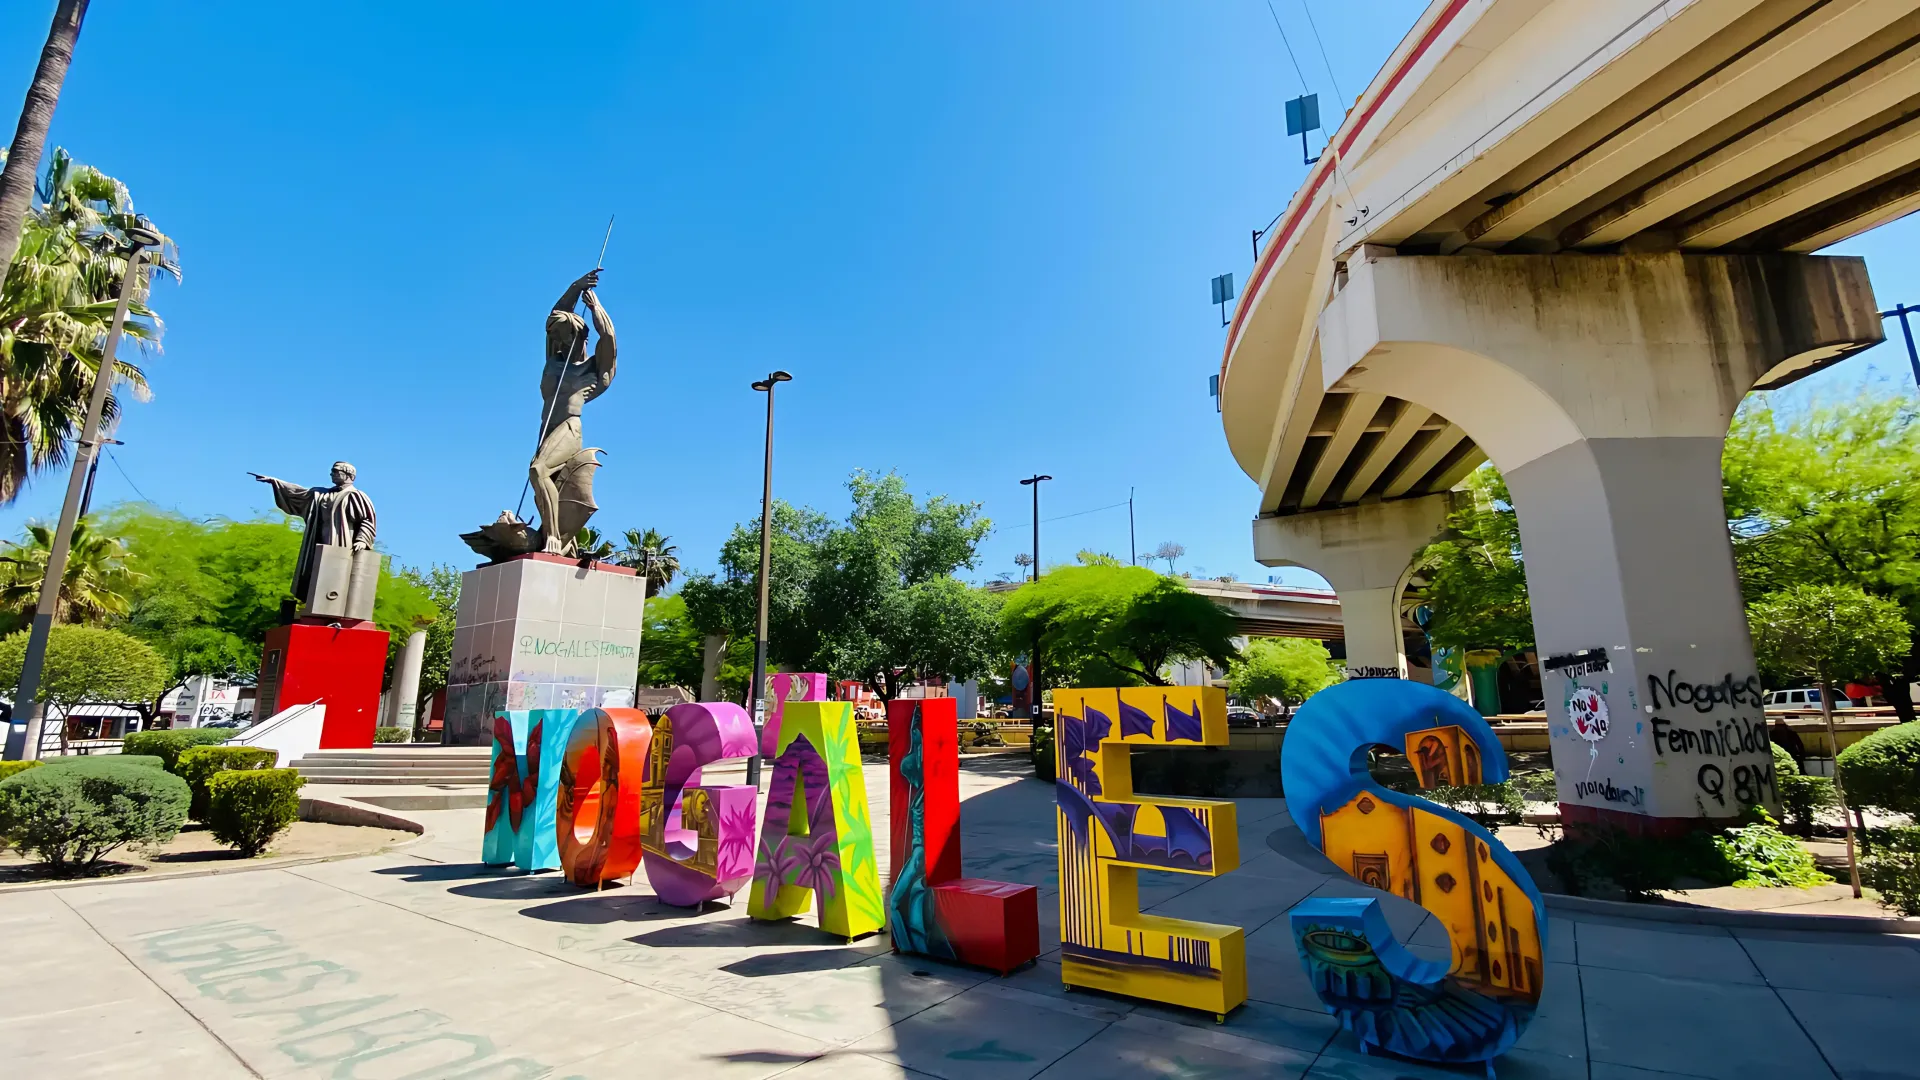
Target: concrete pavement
<point x="421" y="963"/>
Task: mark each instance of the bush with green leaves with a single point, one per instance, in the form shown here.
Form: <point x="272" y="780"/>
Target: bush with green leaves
<point x="1893" y="868"/>
<point x="199" y="764"/>
<point x="1492" y="805"/>
<point x="144" y="761"/>
<point x="168" y="744"/>
<point x="1043" y="762"/>
<point x="392" y="734"/>
<point x="1803" y="797"/>
<point x="1883" y="770"/>
<point x="72" y="817"/>
<point x="1638" y="865"/>
<point x="1761" y="856"/>
<point x="249" y="807"/>
<point x="9" y="768"/>
<point x="1783" y="763"/>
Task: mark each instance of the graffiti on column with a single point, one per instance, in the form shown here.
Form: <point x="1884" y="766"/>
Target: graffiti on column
<point x="1373" y="673"/>
<point x="1590" y="720"/>
<point x="1718" y="729"/>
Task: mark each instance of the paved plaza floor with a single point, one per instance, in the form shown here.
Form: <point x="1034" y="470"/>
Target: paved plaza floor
<point x="422" y="963"/>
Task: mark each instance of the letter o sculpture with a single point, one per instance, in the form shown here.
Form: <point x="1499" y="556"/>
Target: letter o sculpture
<point x="598" y="817"/>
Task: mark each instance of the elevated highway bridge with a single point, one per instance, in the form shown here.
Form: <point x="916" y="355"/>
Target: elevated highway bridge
<point x="1568" y="237"/>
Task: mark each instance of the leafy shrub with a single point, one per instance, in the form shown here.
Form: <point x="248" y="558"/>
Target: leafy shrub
<point x="1893" y="870"/>
<point x="1783" y="763"/>
<point x="1760" y="855"/>
<point x="9" y="768"/>
<point x="1803" y="797"/>
<point x="392" y="734"/>
<point x="1637" y="865"/>
<point x="168" y="745"/>
<point x="199" y="764"/>
<point x="1883" y="769"/>
<point x="1492" y="805"/>
<point x="72" y="817"/>
<point x="1043" y="763"/>
<point x="140" y="761"/>
<point x="249" y="807"/>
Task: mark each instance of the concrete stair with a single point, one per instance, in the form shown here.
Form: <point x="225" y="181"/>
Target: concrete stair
<point x="411" y="766"/>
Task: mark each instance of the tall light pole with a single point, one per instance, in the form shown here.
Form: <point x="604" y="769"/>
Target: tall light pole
<point x="758" y="691"/>
<point x="1033" y="661"/>
<point x="1901" y="311"/>
<point x="86" y="498"/>
<point x="27" y="721"/>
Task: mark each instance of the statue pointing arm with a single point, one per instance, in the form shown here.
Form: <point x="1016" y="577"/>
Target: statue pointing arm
<point x="290" y="498"/>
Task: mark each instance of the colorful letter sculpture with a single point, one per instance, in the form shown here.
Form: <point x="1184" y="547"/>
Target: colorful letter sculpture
<point x="931" y="909"/>
<point x="785" y="686"/>
<point x="597" y="817"/>
<point x="1107" y="836"/>
<point x="1474" y="1008"/>
<point x="816" y="842"/>
<point x="521" y="794"/>
<point x="698" y="838"/>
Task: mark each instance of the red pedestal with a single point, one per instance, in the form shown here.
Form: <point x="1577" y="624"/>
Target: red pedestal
<point x="990" y="924"/>
<point x="339" y="666"/>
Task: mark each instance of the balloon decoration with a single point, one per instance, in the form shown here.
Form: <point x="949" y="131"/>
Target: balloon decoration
<point x="1473" y="1007"/>
<point x="1108" y="835"/>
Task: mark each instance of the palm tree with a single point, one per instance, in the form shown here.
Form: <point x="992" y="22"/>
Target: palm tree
<point x="591" y="545"/>
<point x="97" y="585"/>
<point x="55" y="306"/>
<point x="30" y="137"/>
<point x="665" y="564"/>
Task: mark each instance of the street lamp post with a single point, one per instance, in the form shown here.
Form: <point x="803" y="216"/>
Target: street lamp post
<point x="23" y="735"/>
<point x="1901" y="311"/>
<point x="1033" y="660"/>
<point x="86" y="499"/>
<point x="758" y="690"/>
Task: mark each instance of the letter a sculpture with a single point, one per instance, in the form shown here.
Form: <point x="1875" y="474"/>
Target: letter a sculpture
<point x="1474" y="1007"/>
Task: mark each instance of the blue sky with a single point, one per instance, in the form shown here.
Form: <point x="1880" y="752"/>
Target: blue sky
<point x="978" y="234"/>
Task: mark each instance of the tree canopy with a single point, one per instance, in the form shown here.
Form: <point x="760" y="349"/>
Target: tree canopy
<point x="1290" y="669"/>
<point x="1829" y="633"/>
<point x="1477" y="581"/>
<point x="1114" y="625"/>
<point x="88" y="664"/>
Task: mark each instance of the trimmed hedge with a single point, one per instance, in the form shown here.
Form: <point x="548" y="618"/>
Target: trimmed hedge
<point x="72" y="817"/>
<point x="249" y="807"/>
<point x="10" y="768"/>
<point x="199" y="764"/>
<point x="1883" y="770"/>
<point x="168" y="745"/>
<point x="139" y="761"/>
<point x="392" y="734"/>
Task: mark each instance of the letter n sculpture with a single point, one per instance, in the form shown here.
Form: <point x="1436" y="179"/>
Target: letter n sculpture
<point x="698" y="837"/>
<point x="816" y="842"/>
<point x="528" y="745"/>
<point x="931" y="909"/>
<point x="1107" y="836"/>
<point x="1472" y="1007"/>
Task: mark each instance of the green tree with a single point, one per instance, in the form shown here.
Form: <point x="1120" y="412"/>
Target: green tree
<point x="591" y="545"/>
<point x="1477" y="581"/>
<point x="86" y="665"/>
<point x="662" y="566"/>
<point x="1290" y="669"/>
<point x="441" y="584"/>
<point x="1829" y="633"/>
<point x="95" y="587"/>
<point x="725" y="604"/>
<point x="1114" y="625"/>
<point x="55" y="306"/>
<point x="1830" y="494"/>
<point x="671" y="649"/>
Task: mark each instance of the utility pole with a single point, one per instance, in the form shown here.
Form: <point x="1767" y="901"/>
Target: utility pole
<point x="27" y="721"/>
<point x="1033" y="661"/>
<point x="1901" y="311"/>
<point x="757" y="694"/>
<point x="86" y="499"/>
<point x="1133" y="553"/>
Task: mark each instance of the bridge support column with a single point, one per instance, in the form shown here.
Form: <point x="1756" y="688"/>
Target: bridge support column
<point x="1364" y="552"/>
<point x="1602" y="387"/>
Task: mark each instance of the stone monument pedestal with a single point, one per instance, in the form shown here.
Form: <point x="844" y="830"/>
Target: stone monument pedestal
<point x="542" y="632"/>
<point x="340" y="663"/>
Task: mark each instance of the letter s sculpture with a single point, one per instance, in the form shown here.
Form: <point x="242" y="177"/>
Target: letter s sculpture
<point x="1475" y="1007"/>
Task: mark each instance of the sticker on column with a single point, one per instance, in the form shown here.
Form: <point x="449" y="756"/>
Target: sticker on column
<point x="1587" y="712"/>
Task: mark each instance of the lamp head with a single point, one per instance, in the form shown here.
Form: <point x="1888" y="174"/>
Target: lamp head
<point x="142" y="234"/>
<point x="1034" y="480"/>
<point x="776" y="377"/>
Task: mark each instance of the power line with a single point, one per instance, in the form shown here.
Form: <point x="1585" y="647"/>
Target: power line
<point x="123" y="475"/>
<point x="1335" y="79"/>
<point x="1283" y="40"/>
<point x="1062" y="517"/>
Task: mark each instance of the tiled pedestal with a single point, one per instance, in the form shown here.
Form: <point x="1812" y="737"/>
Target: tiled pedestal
<point x="542" y="632"/>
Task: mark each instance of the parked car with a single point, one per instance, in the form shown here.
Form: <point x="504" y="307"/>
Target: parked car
<point x="1801" y="700"/>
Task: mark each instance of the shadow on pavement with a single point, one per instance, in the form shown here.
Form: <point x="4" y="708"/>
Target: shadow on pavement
<point x="447" y="871"/>
<point x="792" y="963"/>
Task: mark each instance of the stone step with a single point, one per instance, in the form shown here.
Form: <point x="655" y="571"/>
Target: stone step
<point x="311" y="762"/>
<point x="331" y="776"/>
<point x="456" y="753"/>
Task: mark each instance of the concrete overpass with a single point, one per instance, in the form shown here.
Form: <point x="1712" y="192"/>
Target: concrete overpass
<point x="1568" y="236"/>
